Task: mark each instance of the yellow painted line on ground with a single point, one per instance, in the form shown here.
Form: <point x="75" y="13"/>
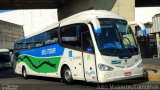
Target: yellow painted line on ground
<point x="154" y="78"/>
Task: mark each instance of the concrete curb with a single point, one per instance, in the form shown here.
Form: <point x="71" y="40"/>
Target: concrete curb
<point x="153" y="72"/>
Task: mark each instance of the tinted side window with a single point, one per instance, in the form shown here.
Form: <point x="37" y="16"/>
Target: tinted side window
<point x="28" y="43"/>
<point x="24" y="45"/>
<point x="71" y="34"/>
<point x="51" y="36"/>
<point x="38" y="40"/>
<point x="19" y="45"/>
<point x="39" y="37"/>
<point x="32" y="43"/>
<point x="87" y="42"/>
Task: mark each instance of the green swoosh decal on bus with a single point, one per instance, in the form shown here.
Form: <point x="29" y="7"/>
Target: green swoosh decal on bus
<point x="40" y="65"/>
<point x="45" y="62"/>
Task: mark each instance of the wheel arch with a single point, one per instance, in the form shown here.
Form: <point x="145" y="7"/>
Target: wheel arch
<point x="63" y="66"/>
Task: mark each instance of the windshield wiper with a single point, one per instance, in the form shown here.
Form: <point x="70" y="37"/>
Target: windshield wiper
<point x="121" y="39"/>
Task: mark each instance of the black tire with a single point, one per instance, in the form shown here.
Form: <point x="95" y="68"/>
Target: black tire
<point x="24" y="73"/>
<point x="66" y="75"/>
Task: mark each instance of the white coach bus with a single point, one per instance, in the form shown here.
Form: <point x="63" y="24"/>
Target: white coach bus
<point x="94" y="46"/>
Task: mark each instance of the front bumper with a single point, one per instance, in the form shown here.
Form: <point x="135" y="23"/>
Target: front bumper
<point x="119" y="75"/>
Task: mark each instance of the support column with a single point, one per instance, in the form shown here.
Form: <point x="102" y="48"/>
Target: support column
<point x="158" y="44"/>
<point x="125" y="9"/>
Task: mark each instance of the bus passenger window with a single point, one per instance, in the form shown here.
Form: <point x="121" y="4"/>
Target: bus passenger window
<point x="37" y="41"/>
<point x="70" y="35"/>
<point x="18" y="46"/>
<point x="32" y="45"/>
<point x="28" y="45"/>
<point x="39" y="44"/>
<point x="51" y="36"/>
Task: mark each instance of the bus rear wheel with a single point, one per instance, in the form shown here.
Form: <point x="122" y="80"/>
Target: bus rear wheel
<point x="67" y="75"/>
<point x="24" y="73"/>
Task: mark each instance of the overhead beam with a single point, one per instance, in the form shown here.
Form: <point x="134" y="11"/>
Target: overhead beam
<point x="147" y="3"/>
<point x="31" y="4"/>
<point x="42" y="4"/>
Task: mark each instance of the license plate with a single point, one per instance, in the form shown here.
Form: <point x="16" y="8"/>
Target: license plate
<point x="127" y="74"/>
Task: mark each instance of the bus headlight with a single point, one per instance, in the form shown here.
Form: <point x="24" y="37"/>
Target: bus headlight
<point x="140" y="65"/>
<point x="104" y="67"/>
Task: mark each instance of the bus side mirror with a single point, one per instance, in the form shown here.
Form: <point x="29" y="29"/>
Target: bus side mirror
<point x="142" y="27"/>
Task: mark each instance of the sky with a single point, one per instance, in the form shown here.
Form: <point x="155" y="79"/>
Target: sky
<point x="33" y="20"/>
<point x="145" y="14"/>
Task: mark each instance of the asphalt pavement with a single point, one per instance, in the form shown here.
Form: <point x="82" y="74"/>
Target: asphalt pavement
<point x="151" y="61"/>
<point x="11" y="81"/>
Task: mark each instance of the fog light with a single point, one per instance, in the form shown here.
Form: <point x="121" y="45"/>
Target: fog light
<point x="106" y="75"/>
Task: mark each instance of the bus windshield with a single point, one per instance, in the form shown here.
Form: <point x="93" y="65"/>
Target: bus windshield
<point x="115" y="38"/>
<point x="4" y="57"/>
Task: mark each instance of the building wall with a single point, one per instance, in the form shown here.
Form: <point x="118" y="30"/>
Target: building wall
<point x="9" y="32"/>
<point x="124" y="8"/>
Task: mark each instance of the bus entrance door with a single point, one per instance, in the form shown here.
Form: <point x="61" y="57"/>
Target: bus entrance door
<point x="88" y="58"/>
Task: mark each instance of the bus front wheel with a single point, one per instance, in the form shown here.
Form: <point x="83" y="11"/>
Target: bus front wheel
<point x="67" y="75"/>
<point x="24" y="73"/>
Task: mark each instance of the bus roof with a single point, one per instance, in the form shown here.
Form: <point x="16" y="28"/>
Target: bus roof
<point x="90" y="14"/>
<point x="79" y="18"/>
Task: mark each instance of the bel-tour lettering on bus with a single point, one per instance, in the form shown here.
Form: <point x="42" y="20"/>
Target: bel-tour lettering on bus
<point x="48" y="51"/>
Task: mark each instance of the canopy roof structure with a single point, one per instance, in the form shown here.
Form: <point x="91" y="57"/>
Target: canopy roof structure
<point x="50" y="4"/>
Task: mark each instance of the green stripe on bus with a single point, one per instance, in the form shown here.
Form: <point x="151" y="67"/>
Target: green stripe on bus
<point x="41" y="65"/>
